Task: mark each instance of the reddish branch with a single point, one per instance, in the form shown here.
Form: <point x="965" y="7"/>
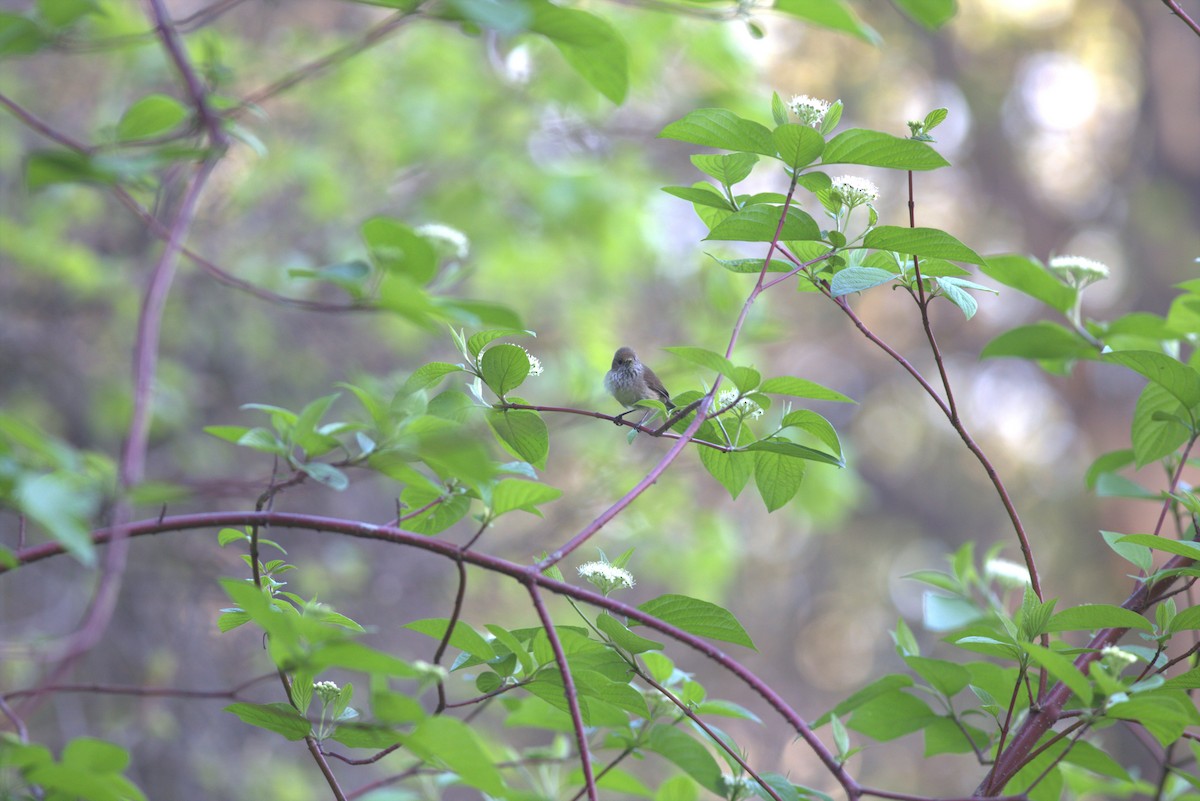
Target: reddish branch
<point x="522" y="573"/>
<point x="572" y="697"/>
<point x="1042" y="718"/>
<point x="1179" y="12"/>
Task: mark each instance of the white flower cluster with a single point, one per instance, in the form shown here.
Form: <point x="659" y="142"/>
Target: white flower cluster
<point x="1009" y="574"/>
<point x="855" y="191"/>
<point x="1117" y="658"/>
<point x="535" y="364"/>
<point x="327" y="691"/>
<point x="448" y="241"/>
<point x="745" y="407"/>
<point x="810" y="110"/>
<point x="606" y="577"/>
<point x="1078" y="271"/>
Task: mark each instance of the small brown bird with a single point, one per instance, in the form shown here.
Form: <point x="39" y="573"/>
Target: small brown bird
<point x="630" y="381"/>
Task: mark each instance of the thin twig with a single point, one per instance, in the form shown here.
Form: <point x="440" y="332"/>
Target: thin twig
<point x="1179" y="12"/>
<point x="372" y="36"/>
<point x="519" y="572"/>
<point x="572" y="698"/>
<point x="720" y="743"/>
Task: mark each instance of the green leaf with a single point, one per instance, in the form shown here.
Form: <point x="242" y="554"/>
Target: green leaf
<point x="1030" y="277"/>
<point x="326" y="474"/>
<point x="760" y="224"/>
<point x="858" y="279"/>
<point x="698" y="617"/>
<point x="835" y="15"/>
<point x="798" y="145"/>
<point x="279" y="718"/>
<point x="58" y="503"/>
<point x="729" y="169"/>
<point x="511" y="494"/>
<point x="1177" y="547"/>
<point x="602" y="701"/>
<point x="778" y="477"/>
<point x="623" y="637"/>
<point x="705" y="358"/>
<point x="396" y="248"/>
<point x="356" y="656"/>
<point x="779" y="111"/>
<point x="1040" y="341"/>
<point x="1138" y="555"/>
<point x="1092" y="617"/>
<point x="476" y="342"/>
<point x="504" y="367"/>
<point x="1107" y="463"/>
<point x="1165" y="716"/>
<point x="930" y="13"/>
<point x="721" y="128"/>
<point x="945" y="613"/>
<point x="726" y="709"/>
<point x="752" y="266"/>
<point x="790" y="450"/>
<point x="876" y="149"/>
<point x="441" y="740"/>
<point x="1152" y="435"/>
<point x="801" y="388"/>
<point x="49" y="167"/>
<point x="464" y="638"/>
<point x="592" y="46"/>
<point x="685" y="753"/>
<point x="816" y="425"/>
<point x="523" y="433"/>
<point x="891" y="715"/>
<point x="954" y="290"/>
<point x="429" y="374"/>
<point x="151" y="116"/>
<point x="731" y="469"/>
<point x="64" y="13"/>
<point x="698" y="194"/>
<point x="947" y="678"/>
<point x="20" y="35"/>
<point x="930" y="242"/>
<point x="746" y="378"/>
<point x="1060" y="667"/>
<point x="509" y="641"/>
<point x="883" y="686"/>
<point x="1177" y="378"/>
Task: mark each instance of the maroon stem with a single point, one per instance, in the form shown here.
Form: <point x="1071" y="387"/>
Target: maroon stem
<point x="560" y="657"/>
<point x="1179" y="12"/>
<point x="521" y="573"/>
<point x="968" y="440"/>
<point x="717" y="740"/>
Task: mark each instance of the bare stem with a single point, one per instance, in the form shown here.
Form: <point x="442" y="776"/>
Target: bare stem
<point x="560" y="658"/>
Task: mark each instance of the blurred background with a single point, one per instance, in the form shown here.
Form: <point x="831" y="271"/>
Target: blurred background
<point x="1073" y="129"/>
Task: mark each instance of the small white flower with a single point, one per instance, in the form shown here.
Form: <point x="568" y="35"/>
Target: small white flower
<point x="750" y="409"/>
<point x="1010" y="574"/>
<point x="855" y="191"/>
<point x="606" y="577"/>
<point x="535" y="364"/>
<point x="744" y="407"/>
<point x="1117" y="658"/>
<point x="327" y="691"/>
<point x="448" y="241"/>
<point x="1078" y="271"/>
<point x="730" y="783"/>
<point x="810" y="110"/>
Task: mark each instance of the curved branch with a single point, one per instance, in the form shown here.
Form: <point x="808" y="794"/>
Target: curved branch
<point x="521" y="573"/>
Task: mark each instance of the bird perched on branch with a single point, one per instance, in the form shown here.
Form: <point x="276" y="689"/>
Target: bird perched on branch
<point x="630" y="381"/>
